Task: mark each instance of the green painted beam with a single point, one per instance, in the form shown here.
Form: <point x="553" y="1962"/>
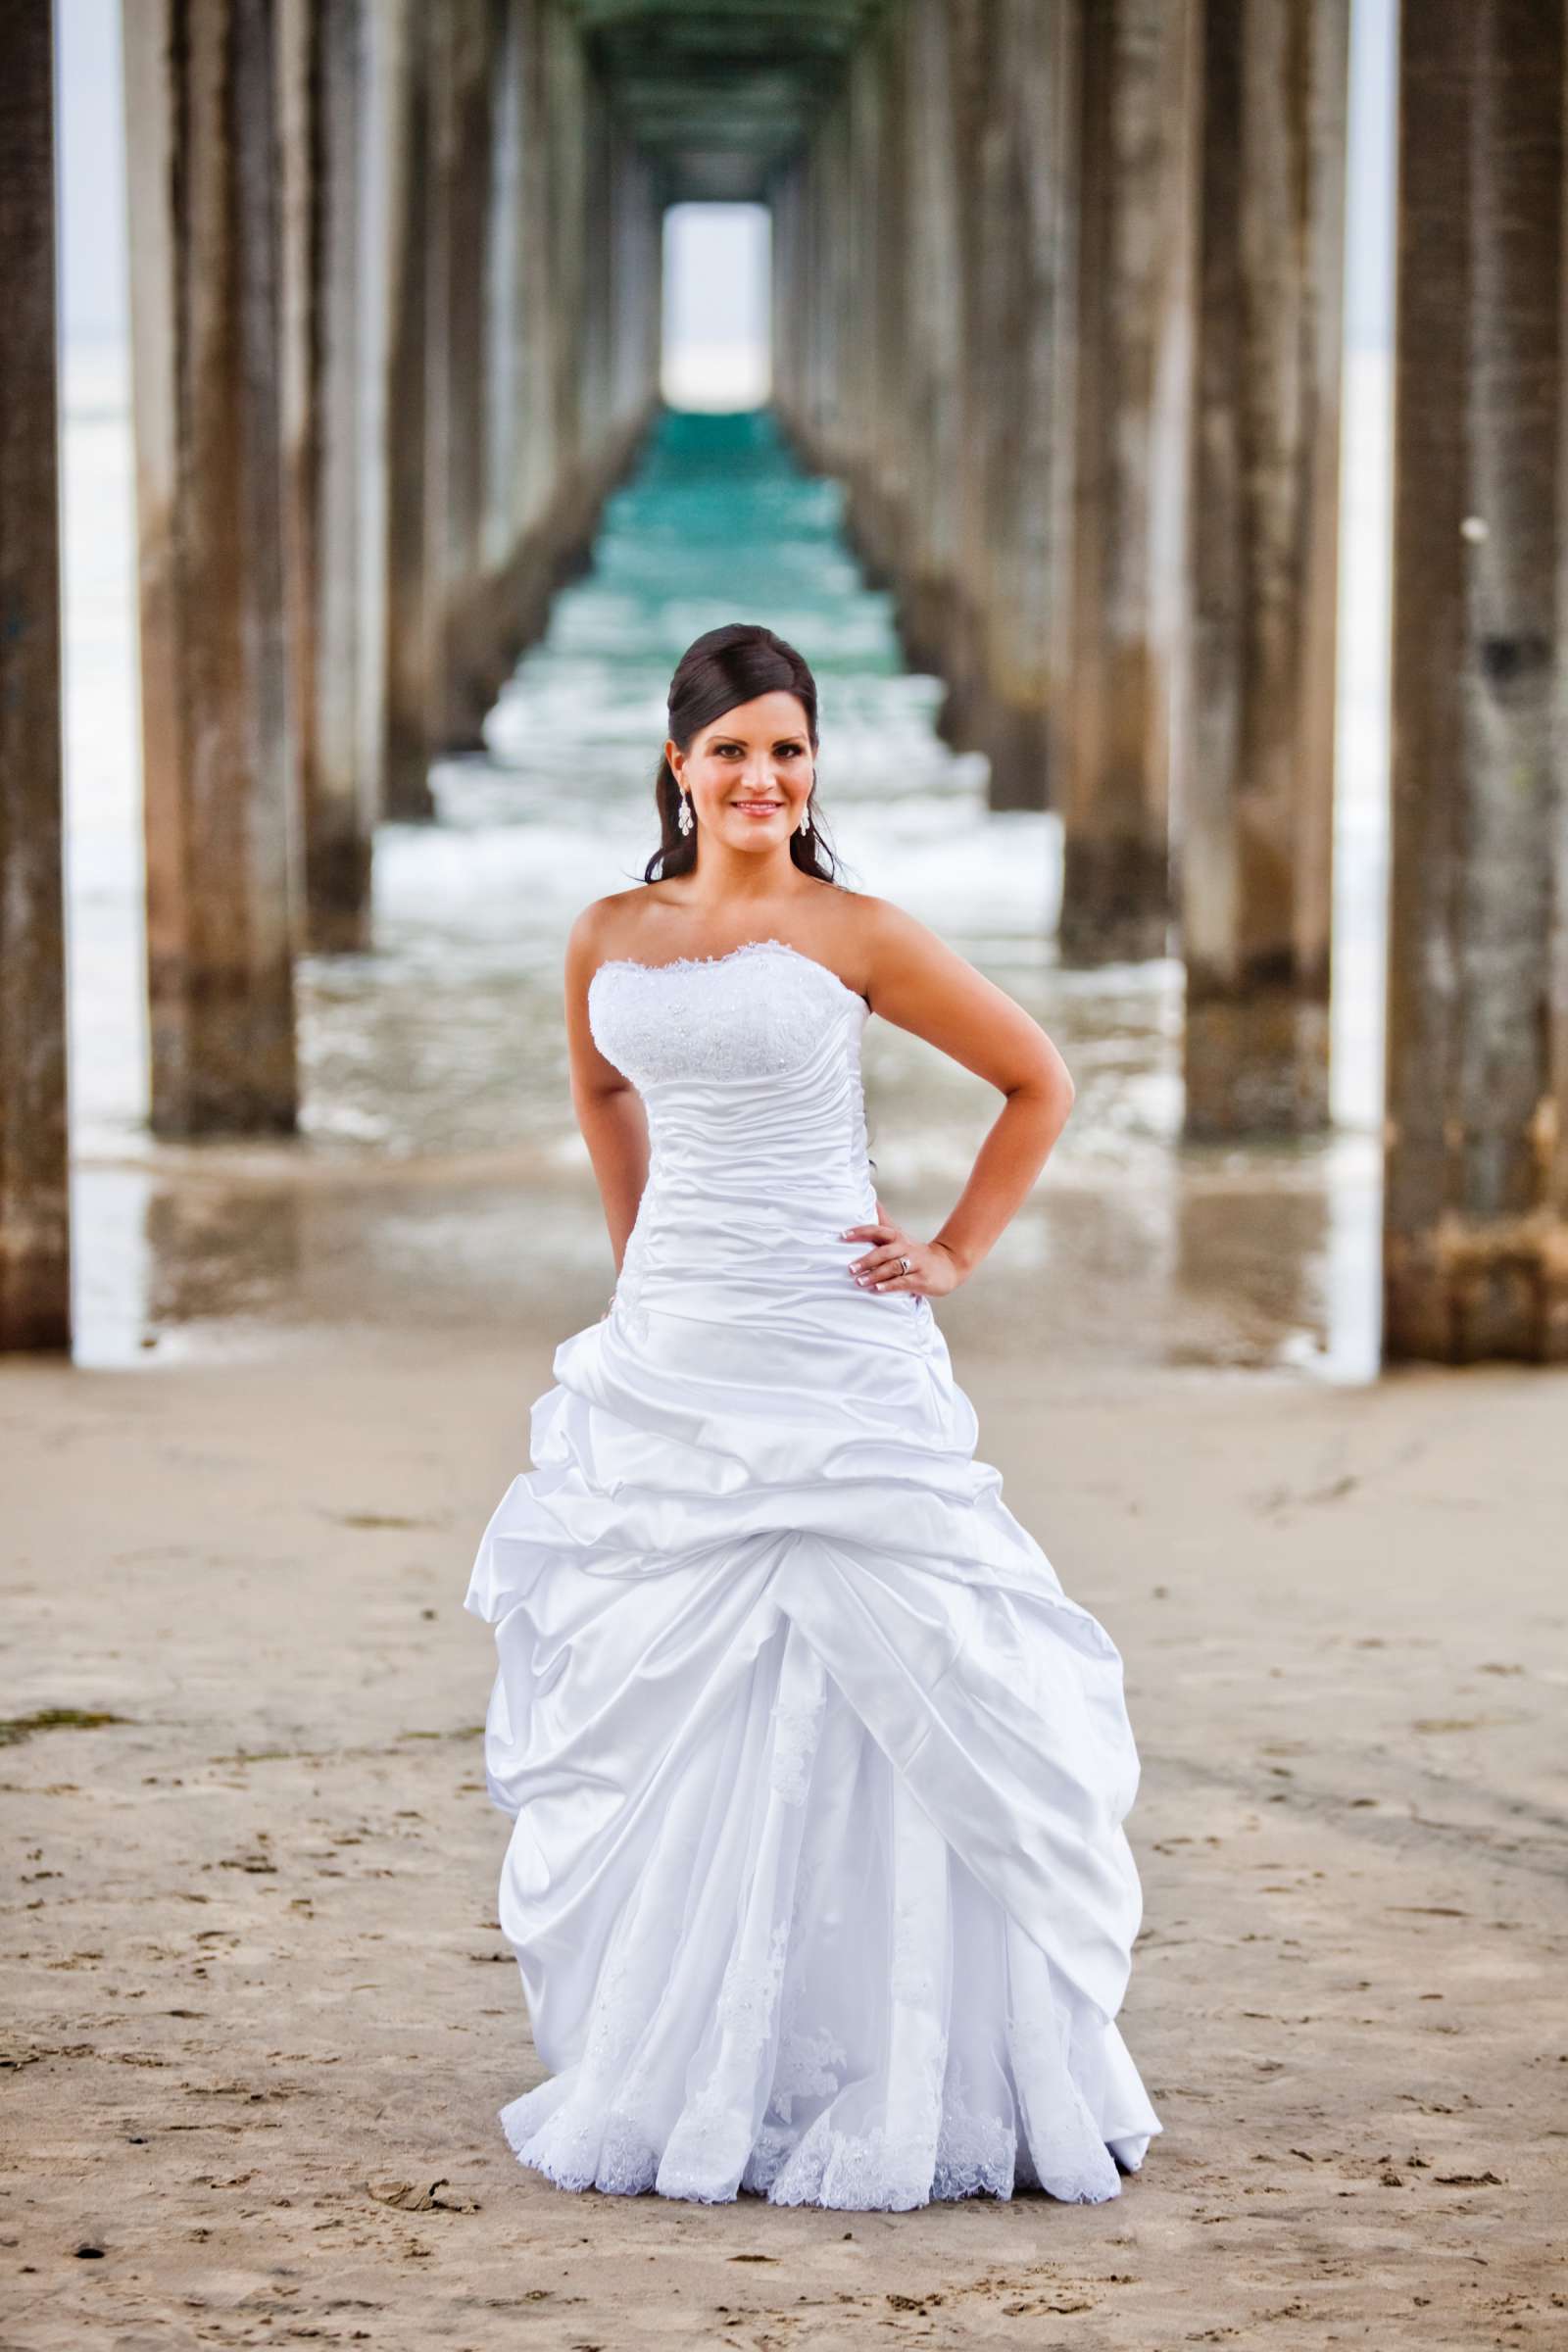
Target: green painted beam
<point x="720" y="95"/>
<point x="679" y="13"/>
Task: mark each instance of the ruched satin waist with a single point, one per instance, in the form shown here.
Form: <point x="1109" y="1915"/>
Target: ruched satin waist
<point x="756" y="1178"/>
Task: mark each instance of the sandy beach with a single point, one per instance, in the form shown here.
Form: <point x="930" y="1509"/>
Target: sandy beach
<point x="262" y="2015"/>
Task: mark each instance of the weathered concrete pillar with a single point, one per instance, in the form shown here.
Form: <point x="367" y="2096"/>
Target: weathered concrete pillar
<point x="1129" y="426"/>
<point x="637" y="294"/>
<point x="793" y="319"/>
<point x="384" y="36"/>
<point x="542" y="327"/>
<point x="798" y="344"/>
<point x="784" y="233"/>
<point x="35" y="1193"/>
<point x="222" y="831"/>
<point x="878" y="100"/>
<point x="500" y="521"/>
<point x="1476" y="1194"/>
<point x="325" y="78"/>
<point x="934" y="296"/>
<point x="566" y="93"/>
<point x="593" y="368"/>
<point x="412" y="636"/>
<point x="632" y="279"/>
<point x="984" y="359"/>
<point x="1257" y="748"/>
<point x="465" y="44"/>
<point x="1015" y="140"/>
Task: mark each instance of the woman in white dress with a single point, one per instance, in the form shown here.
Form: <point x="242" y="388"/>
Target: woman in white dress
<point x="818" y="1878"/>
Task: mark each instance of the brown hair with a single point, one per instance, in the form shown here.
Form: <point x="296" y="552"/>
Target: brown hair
<point x="724" y="666"/>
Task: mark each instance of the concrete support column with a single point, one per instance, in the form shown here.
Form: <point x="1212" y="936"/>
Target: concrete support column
<point x="868" y="265"/>
<point x="223" y="835"/>
<point x="1016" y="145"/>
<point x="500" y="521"/>
<point x="562" y="223"/>
<point x="542" y="326"/>
<point x="326" y="89"/>
<point x="933" y="261"/>
<point x="34" y="1191"/>
<point x="984" y="359"/>
<point x="802" y="341"/>
<point x="1257" y="750"/>
<point x="784" y="215"/>
<point x="467" y="55"/>
<point x="882" y="493"/>
<point x="795" y="323"/>
<point x="594" y="364"/>
<point x="637" y="270"/>
<point x="1128" y="429"/>
<point x="532" y="321"/>
<point x="1476" y="1194"/>
<point x="412" y="642"/>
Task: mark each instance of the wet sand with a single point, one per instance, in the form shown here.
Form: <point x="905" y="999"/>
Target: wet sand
<point x="262" y="2015"/>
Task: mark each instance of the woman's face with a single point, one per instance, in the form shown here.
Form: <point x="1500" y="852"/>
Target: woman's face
<point x="748" y="772"/>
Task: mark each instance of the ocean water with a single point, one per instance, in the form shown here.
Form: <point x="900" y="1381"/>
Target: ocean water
<point x="438" y="1176"/>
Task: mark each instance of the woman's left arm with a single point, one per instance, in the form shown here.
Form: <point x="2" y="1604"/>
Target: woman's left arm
<point x="916" y="981"/>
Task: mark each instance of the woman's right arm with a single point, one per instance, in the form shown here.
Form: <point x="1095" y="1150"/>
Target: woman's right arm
<point x="610" y="1111"/>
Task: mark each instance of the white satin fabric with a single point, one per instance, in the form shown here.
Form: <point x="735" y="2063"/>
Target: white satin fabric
<point x="817" y="1881"/>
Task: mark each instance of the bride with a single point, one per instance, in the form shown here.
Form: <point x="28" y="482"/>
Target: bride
<point x="818" y="1879"/>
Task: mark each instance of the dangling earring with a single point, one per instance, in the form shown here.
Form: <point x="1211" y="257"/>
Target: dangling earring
<point x="684" y="821"/>
<point x="805" y="825"/>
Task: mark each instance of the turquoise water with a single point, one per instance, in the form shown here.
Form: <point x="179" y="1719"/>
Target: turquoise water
<point x="438" y="1176"/>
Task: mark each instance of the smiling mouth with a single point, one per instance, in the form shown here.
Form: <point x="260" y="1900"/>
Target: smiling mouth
<point x="755" y="805"/>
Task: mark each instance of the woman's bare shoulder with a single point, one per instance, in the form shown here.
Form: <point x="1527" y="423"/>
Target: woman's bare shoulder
<point x="609" y="926"/>
<point x="870" y="927"/>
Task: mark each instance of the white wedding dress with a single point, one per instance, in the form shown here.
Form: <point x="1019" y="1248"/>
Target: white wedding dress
<point x="817" y="1881"/>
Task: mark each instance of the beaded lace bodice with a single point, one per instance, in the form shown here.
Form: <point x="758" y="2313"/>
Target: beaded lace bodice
<point x="754" y="1013"/>
<point x="749" y="1064"/>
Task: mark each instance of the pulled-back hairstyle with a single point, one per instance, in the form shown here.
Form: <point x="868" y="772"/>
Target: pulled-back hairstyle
<point x="720" y="668"/>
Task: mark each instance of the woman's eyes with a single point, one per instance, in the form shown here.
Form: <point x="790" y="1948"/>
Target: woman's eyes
<point x="791" y="748"/>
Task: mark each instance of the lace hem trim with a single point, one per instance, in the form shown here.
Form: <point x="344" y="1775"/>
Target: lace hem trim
<point x="976" y="2155"/>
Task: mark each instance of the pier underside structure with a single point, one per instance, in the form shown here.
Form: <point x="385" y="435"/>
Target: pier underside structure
<point x="1056" y="294"/>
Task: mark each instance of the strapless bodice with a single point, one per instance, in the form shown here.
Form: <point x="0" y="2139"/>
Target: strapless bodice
<point x="749" y="1066"/>
<point x="758" y="1013"/>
